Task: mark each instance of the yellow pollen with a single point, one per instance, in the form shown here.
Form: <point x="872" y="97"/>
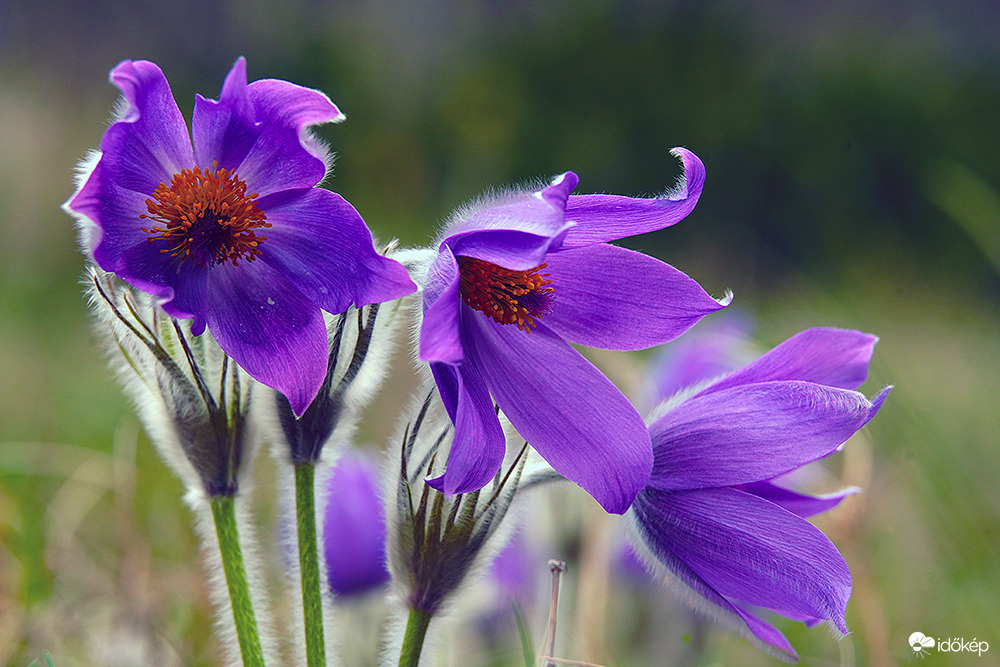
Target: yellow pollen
<point x="505" y="296"/>
<point x="206" y="216"/>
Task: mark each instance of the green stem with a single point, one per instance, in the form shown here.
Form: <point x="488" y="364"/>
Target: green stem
<point x="224" y="513"/>
<point x="413" y="639"/>
<point x="312" y="603"/>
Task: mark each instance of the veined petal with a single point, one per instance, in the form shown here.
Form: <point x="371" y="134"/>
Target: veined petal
<point x="801" y="504"/>
<point x="752" y="432"/>
<point x="510" y="248"/>
<point x="478" y="446"/>
<point x="618" y="299"/>
<point x="440" y="334"/>
<point x="753" y="551"/>
<point x="322" y="246"/>
<point x="269" y="328"/>
<point x="114" y="212"/>
<point x="150" y="143"/>
<point x="282" y="154"/>
<point x="181" y="293"/>
<point x="549" y="393"/>
<point x="541" y="213"/>
<point x="224" y="131"/>
<point x="603" y="218"/>
<point x="834" y="357"/>
<point x="656" y="527"/>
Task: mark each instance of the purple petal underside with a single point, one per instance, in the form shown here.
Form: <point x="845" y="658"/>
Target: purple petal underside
<point x="603" y="218"/>
<point x="833" y="357"/>
<point x="440" y="333"/>
<point x="619" y="299"/>
<point x="478" y="446"/>
<point x="540" y="213"/>
<point x="752" y="432"/>
<point x="801" y="504"/>
<point x="320" y="244"/>
<point x="751" y="550"/>
<point x="269" y="328"/>
<point x="549" y="393"/>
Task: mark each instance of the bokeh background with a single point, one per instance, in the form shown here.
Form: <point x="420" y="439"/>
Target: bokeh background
<point x="853" y="180"/>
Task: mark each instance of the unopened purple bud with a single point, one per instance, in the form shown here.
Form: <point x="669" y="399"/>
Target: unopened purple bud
<point x="354" y="528"/>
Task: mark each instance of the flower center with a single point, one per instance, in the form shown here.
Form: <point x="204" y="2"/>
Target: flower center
<point x="505" y="296"/>
<point x="207" y="216"/>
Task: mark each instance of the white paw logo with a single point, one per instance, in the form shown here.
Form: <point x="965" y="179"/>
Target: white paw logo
<point x="921" y="643"/>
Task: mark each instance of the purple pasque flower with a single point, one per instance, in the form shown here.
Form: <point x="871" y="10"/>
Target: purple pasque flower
<point x="354" y="528"/>
<point x="225" y="225"/>
<point x="710" y="519"/>
<point x="515" y="281"/>
<point x="706" y="353"/>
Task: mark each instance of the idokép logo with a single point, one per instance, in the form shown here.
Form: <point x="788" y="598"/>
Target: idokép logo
<point x="922" y="645"/>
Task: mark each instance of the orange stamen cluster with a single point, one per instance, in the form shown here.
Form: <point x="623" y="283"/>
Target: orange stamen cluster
<point x="207" y="216"/>
<point x="505" y="296"/>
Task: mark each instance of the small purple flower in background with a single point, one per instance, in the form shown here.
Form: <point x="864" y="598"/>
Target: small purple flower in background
<point x="226" y="226"/>
<point x="515" y="281"/>
<point x="716" y="346"/>
<point x="711" y="520"/>
<point x="354" y="528"/>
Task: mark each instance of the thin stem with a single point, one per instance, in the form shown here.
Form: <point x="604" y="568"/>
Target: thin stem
<point x="312" y="603"/>
<point x="413" y="639"/>
<point x="557" y="567"/>
<point x="224" y="513"/>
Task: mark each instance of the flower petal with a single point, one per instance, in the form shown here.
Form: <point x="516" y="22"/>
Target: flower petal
<point x="618" y="299"/>
<point x="541" y="213"/>
<point x="801" y="504"/>
<point x="603" y="218"/>
<point x="112" y="213"/>
<point x="141" y="150"/>
<point x="440" y="337"/>
<point x="834" y="357"/>
<point x="512" y="249"/>
<point x="320" y="243"/>
<point x="180" y="286"/>
<point x="478" y="446"/>
<point x="748" y="549"/>
<point x="654" y="530"/>
<point x="550" y="393"/>
<point x="224" y="131"/>
<point x="269" y="328"/>
<point x="260" y="129"/>
<point x="752" y="432"/>
<point x="150" y="143"/>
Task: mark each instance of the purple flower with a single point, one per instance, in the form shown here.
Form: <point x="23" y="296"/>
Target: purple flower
<point x="354" y="528"/>
<point x="229" y="228"/>
<point x="515" y="281"/>
<point x="709" y="516"/>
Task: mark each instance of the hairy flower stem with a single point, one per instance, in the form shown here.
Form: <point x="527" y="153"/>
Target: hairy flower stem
<point x="312" y="603"/>
<point x="413" y="639"/>
<point x="224" y="514"/>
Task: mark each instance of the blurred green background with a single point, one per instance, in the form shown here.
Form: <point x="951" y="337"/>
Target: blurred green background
<point x="853" y="180"/>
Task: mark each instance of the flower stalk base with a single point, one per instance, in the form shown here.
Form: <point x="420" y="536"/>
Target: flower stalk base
<point x="312" y="603"/>
<point x="413" y="639"/>
<point x="224" y="514"/>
